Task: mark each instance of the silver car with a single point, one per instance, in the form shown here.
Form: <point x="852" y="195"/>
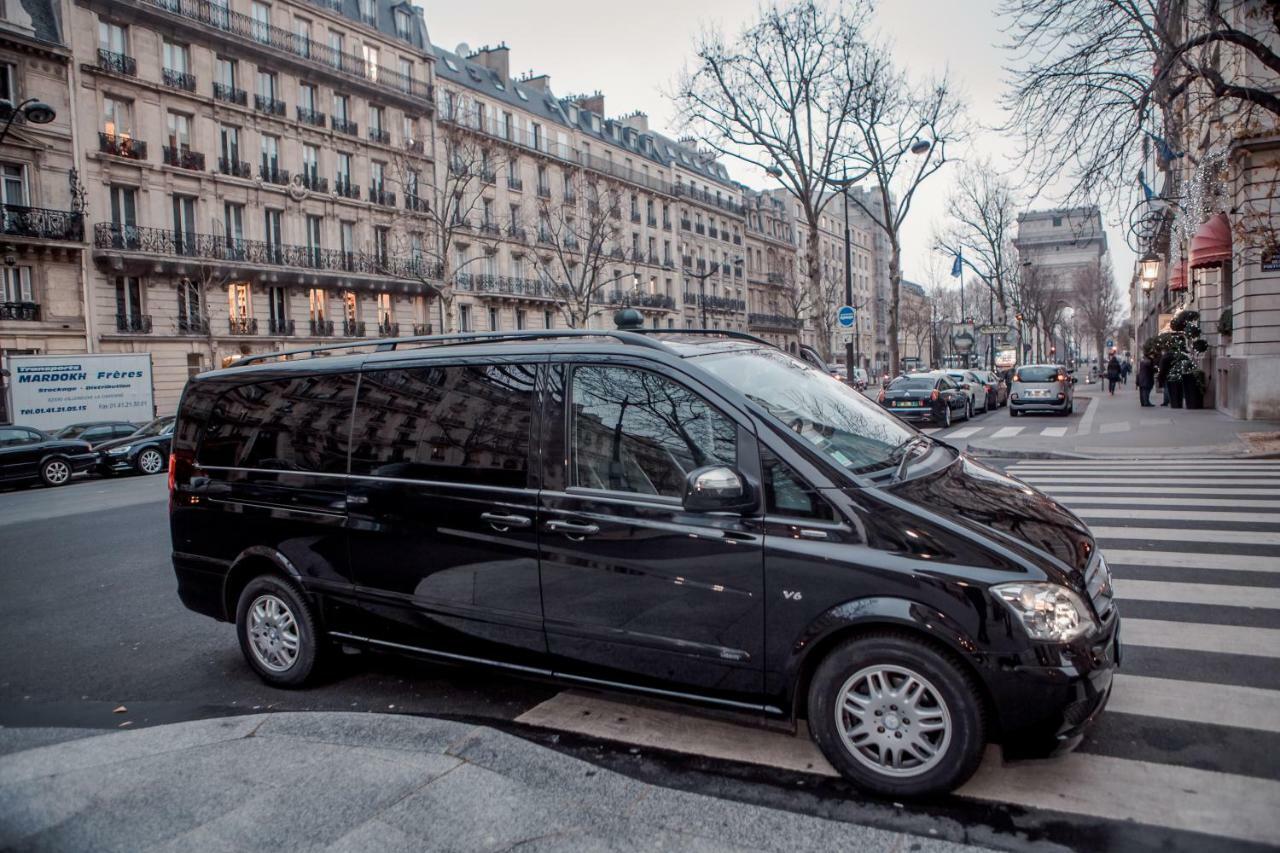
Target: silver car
<point x="1041" y="388"/>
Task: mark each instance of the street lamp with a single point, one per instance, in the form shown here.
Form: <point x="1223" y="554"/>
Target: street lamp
<point x="33" y="109"/>
<point x="1149" y="267"/>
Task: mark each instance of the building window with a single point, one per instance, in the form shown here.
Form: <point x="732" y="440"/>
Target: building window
<point x="270" y="152"/>
<point x="271" y="221"/>
<point x="13" y="184"/>
<point x="313" y="239"/>
<point x="302" y="31"/>
<point x="521" y="322"/>
<point x="336" y="46"/>
<point x="229" y="139"/>
<point x="344" y="170"/>
<point x="184" y="223"/>
<point x="179" y="132"/>
<point x="233" y="226"/>
<point x="493" y="320"/>
<point x="548" y="320"/>
<point x="128" y="301"/>
<point x="117" y="117"/>
<point x="226" y="73"/>
<point x="261" y="22"/>
<point x="190" y="306"/>
<point x="404" y="22"/>
<point x="318" y="304"/>
<point x="385" y="311"/>
<point x="376" y="120"/>
<point x="376" y="176"/>
<point x="195" y="364"/>
<point x="381" y="241"/>
<point x="371" y="61"/>
<point x="347" y="240"/>
<point x="267" y="84"/>
<point x="112" y="38"/>
<point x="177" y="57"/>
<point x="308" y="99"/>
<point x="406" y="72"/>
<point x="310" y="163"/>
<point x="239" y="301"/>
<point x="277" y="311"/>
<point x="464" y="318"/>
<point x="340" y="103"/>
<point x="17" y="285"/>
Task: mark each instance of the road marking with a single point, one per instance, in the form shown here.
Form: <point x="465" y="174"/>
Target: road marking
<point x="1196" y="702"/>
<point x="1006" y="432"/>
<point x="1185" y="560"/>
<point x="1198" y="593"/>
<point x="1155" y="422"/>
<point x="1139" y="492"/>
<point x="1206" y="482"/>
<point x="930" y="430"/>
<point x="1199" y="637"/>
<point x="1174" y="534"/>
<point x="1076" y="464"/>
<point x="1184" y="798"/>
<point x="1054" y="432"/>
<point x="1086" y="422"/>
<point x="1177" y="515"/>
<point x="964" y="432"/>
<point x="1244" y="503"/>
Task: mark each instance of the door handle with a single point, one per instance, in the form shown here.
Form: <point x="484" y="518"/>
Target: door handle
<point x="501" y="521"/>
<point x="571" y="529"/>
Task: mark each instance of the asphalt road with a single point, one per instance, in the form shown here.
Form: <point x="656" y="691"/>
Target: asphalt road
<point x="90" y="622"/>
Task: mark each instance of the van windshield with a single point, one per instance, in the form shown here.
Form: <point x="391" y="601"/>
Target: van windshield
<point x="839" y="421"/>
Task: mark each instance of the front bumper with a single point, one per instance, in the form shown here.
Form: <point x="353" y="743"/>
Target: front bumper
<point x="82" y="462"/>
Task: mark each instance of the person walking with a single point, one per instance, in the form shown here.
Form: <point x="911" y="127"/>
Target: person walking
<point x="1166" y="364"/>
<point x="1113" y="374"/>
<point x="1145" y="379"/>
<point x="1125" y="368"/>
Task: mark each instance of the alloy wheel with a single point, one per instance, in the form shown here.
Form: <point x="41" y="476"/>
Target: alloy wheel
<point x="893" y="720"/>
<point x="273" y="633"/>
<point x="150" y="462"/>
<point x="56" y="472"/>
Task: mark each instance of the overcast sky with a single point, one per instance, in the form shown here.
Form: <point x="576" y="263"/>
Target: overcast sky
<point x="632" y="52"/>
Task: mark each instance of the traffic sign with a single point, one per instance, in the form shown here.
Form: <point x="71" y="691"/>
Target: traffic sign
<point x="1110" y="343"/>
<point x="996" y="329"/>
<point x="845" y="315"/>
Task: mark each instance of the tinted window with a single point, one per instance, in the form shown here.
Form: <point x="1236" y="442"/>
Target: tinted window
<point x="285" y="425"/>
<point x="904" y="383"/>
<point x="636" y="431"/>
<point x="14" y="437"/>
<point x="95" y="434"/>
<point x="786" y="493"/>
<point x="1037" y="374"/>
<point x="73" y="431"/>
<point x="457" y="424"/>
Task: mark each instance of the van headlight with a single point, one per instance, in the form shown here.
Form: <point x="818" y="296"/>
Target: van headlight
<point x="119" y="451"/>
<point x="1050" y="612"/>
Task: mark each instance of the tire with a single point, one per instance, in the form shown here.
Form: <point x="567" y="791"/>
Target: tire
<point x="968" y="410"/>
<point x="55" y="471"/>
<point x="1013" y="413"/>
<point x="948" y="700"/>
<point x="946" y="416"/>
<point x="149" y="461"/>
<point x="270" y="612"/>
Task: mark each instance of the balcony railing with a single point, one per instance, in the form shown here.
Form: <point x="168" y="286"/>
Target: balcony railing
<point x="321" y="328"/>
<point x="311" y="117"/>
<point x="382" y="197"/>
<point x="272" y="175"/>
<point x="230" y="94"/>
<point x="544" y="192"/>
<point x="416" y="203"/>
<point x="314" y="182"/>
<point x="666" y="225"/>
<point x="570" y="197"/>
<point x="193" y="325"/>
<point x="635" y="217"/>
<point x="414" y="146"/>
<point x="715" y="303"/>
<point x="772" y="321"/>
<point x="490" y="229"/>
<point x="268" y="105"/>
<point x="183" y="158"/>
<point x="25" y="312"/>
<point x="516" y="232"/>
<point x="420" y="329"/>
<point x="343" y="187"/>
<point x="242" y="325"/>
<point x="235" y="168"/>
<point x="651" y="221"/>
<point x="122" y="146"/>
<point x="379" y="135"/>
<point x="135" y="324"/>
<point x="642" y="300"/>
<point x="686" y="225"/>
<point x="217" y="15"/>
<point x="388" y="330"/>
<point x="342" y="125"/>
<point x="280" y="326"/>
<point x="41" y="223"/>
<point x="488" y="175"/>
<point x="690" y="191"/>
<point x="515" y="184"/>
<point x="505" y="285"/>
<point x="217" y="247"/>
<point x="570" y="243"/>
<point x="117" y="63"/>
<point x="353" y="328"/>
<point x="776" y="278"/>
<point x="178" y="79"/>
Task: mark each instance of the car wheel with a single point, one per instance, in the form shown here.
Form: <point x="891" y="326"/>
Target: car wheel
<point x="946" y="416"/>
<point x="968" y="409"/>
<point x="896" y="716"/>
<point x="149" y="461"/>
<point x="1013" y="413"/>
<point x="55" y="471"/>
<point x="277" y="632"/>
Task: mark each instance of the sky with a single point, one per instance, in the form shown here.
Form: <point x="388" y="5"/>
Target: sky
<point x="633" y="53"/>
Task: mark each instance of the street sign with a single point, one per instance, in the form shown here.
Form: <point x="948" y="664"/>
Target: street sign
<point x="1110" y="343"/>
<point x="997" y="329"/>
<point x="1006" y="358"/>
<point x="845" y="315"/>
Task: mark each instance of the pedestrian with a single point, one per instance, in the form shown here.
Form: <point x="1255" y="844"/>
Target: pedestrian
<point x="1166" y="364"/>
<point x="1145" y="379"/>
<point x="1113" y="374"/>
<point x="1125" y="368"/>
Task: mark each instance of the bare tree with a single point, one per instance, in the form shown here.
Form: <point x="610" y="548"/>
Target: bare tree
<point x="777" y="97"/>
<point x="1097" y="302"/>
<point x="981" y="227"/>
<point x="575" y="239"/>
<point x="917" y="324"/>
<point x="891" y="122"/>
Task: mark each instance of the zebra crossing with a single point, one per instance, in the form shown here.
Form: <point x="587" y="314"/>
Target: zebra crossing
<point x="995" y="429"/>
<point x="1190" y="741"/>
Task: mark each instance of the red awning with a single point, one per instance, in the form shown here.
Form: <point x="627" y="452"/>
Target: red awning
<point x="1211" y="246"/>
<point x="1178" y="277"/>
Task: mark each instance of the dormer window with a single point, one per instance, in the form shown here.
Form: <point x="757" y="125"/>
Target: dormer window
<point x="404" y="24"/>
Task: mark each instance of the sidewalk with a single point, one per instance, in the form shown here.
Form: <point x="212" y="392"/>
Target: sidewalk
<point x="1107" y="427"/>
<point x="367" y="782"/>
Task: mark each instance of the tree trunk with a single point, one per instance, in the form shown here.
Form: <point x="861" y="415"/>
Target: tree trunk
<point x="895" y="282"/>
<point x="822" y="336"/>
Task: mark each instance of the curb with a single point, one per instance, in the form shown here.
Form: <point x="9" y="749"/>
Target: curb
<point x="983" y="452"/>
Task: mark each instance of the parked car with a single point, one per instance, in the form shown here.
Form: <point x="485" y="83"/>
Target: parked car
<point x="96" y="432"/>
<point x="997" y="388"/>
<point x="1041" y="388"/>
<point x="691" y="515"/>
<point x="146" y="451"/>
<point x="28" y="454"/>
<point x="931" y="397"/>
<point x="972" y="386"/>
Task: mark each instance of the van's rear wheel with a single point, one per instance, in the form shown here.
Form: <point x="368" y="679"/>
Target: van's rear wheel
<point x="897" y="717"/>
<point x="277" y="632"/>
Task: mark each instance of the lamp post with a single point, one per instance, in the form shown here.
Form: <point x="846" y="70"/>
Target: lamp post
<point x="33" y="109"/>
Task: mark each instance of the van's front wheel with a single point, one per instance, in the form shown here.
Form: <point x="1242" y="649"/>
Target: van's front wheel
<point x="897" y="717"/>
<point x="277" y="632"/>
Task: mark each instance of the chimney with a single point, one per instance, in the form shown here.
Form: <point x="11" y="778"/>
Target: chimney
<point x="537" y="82"/>
<point x="496" y="59"/>
<point x="593" y="103"/>
<point x="637" y="121"/>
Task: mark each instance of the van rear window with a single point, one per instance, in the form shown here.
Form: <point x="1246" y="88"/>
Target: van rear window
<point x="1037" y="374"/>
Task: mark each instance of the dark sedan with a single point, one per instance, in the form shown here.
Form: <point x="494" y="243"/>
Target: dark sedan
<point x="27" y="455"/>
<point x="146" y="451"/>
<point x="96" y="432"/>
<point x="925" y="397"/>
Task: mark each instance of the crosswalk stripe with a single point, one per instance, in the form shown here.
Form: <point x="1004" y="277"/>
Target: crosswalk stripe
<point x="1119" y="426"/>
<point x="1153" y="465"/>
<point x="964" y="432"/>
<point x="1196" y="702"/>
<point x="1185" y="560"/>
<point x="1006" y="432"/>
<point x="1054" y="432"/>
<point x="1176" y="534"/>
<point x="1243" y="503"/>
<point x="1140" y="491"/>
<point x="1199" y="637"/>
<point x="1197" y="483"/>
<point x="1177" y="515"/>
<point x="1198" y="593"/>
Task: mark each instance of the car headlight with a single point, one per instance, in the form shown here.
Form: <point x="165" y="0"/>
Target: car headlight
<point x="1049" y="612"/>
<point x="119" y="451"/>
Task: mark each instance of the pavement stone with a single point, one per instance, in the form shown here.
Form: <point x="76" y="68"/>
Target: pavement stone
<point x="20" y="739"/>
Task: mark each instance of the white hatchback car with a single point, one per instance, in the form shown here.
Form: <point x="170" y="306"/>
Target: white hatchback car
<point x="973" y="387"/>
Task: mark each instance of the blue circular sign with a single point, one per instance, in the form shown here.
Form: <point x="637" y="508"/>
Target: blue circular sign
<point x="845" y="316"/>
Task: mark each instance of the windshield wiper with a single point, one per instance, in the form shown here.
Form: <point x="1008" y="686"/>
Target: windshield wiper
<point x="907" y="450"/>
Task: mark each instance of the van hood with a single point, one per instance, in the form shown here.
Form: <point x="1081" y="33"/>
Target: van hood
<point x="1009" y="511"/>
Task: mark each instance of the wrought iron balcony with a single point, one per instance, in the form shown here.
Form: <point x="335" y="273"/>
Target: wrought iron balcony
<point x="134" y="324"/>
<point x="488" y="175"/>
<point x="699" y="229"/>
<point x="270" y="106"/>
<point x="502" y="285"/>
<point x="342" y="186"/>
<point x="516" y="232"/>
<point x="651" y="221"/>
<point x="280" y="326"/>
<point x="379" y="135"/>
<point x="311" y="117"/>
<point x="388" y="330"/>
<point x="690" y="191"/>
<point x="117" y="63"/>
<point x="121" y="146"/>
<point x="193" y="325"/>
<point x="414" y="146"/>
<point x="514" y="183"/>
<point x="420" y="329"/>
<point x="544" y="237"/>
<point x="342" y="125"/>
<point x="617" y="254"/>
<point x="178" y="79"/>
<point x="666" y="225"/>
<point x="642" y="300"/>
<point x="321" y="328"/>
<point x="41" y="223"/>
<point x="230" y="94"/>
<point x="353" y="328"/>
<point x="183" y="158"/>
<point x="416" y="203"/>
<point x="570" y="242"/>
<point x="776" y="278"/>
<point x="685" y="225"/>
<point x="669" y="262"/>
<point x="570" y="197"/>
<point x="242" y="325"/>
<point x="737" y="239"/>
<point x="544" y="192"/>
<point x="712" y="232"/>
<point x="377" y="195"/>
<point x="272" y="175"/>
<point x="635" y="217"/>
<point x="772" y="321"/>
<point x="235" y="168"/>
<point x="23" y="312"/>
<point x="314" y="182"/>
<point x="490" y="229"/>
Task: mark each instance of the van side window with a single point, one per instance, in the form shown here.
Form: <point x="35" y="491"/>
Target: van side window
<point x="455" y="424"/>
<point x="786" y="492"/>
<point x="636" y="431"/>
<point x="299" y="424"/>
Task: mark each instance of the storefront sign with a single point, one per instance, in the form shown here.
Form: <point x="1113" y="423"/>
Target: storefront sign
<point x="51" y="391"/>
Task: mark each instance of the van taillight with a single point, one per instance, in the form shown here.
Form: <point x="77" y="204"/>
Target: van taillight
<point x="180" y="468"/>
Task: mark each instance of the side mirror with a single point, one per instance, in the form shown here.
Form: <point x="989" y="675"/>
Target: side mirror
<point x="716" y="488"/>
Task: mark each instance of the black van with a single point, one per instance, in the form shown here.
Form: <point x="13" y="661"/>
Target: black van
<point x="692" y="515"/>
